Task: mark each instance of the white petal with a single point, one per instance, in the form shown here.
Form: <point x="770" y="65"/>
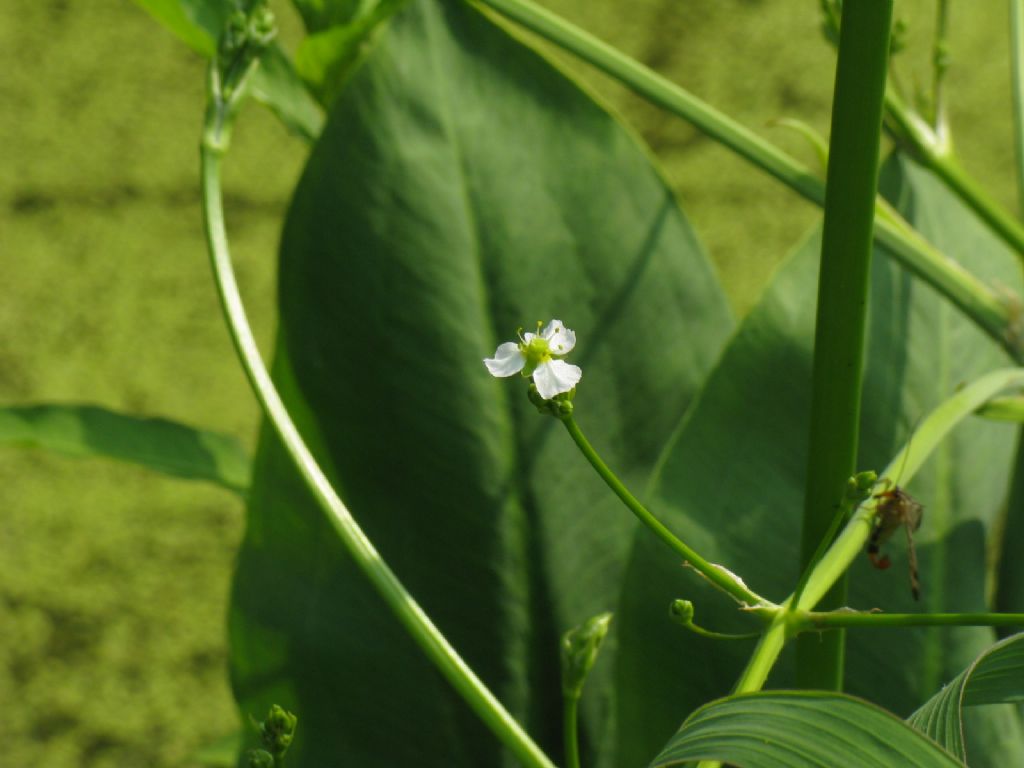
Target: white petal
<point x="559" y="338"/>
<point x="556" y="376"/>
<point x="507" y="360"/>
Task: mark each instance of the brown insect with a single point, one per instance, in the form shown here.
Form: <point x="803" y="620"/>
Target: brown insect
<point x="896" y="508"/>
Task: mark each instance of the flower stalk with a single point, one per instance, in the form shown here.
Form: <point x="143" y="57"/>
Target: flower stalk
<point x="721" y="577"/>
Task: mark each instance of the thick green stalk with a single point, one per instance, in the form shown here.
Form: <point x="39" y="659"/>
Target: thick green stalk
<point x="405" y="608"/>
<point x="1017" y="87"/>
<point x="716" y="574"/>
<point x="842" y="301"/>
<point x="964" y="290"/>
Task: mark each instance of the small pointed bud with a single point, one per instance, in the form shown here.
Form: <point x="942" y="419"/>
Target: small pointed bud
<point x="580" y="647"/>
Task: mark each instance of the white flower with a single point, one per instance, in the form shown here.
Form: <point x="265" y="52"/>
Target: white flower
<point x="535" y="354"/>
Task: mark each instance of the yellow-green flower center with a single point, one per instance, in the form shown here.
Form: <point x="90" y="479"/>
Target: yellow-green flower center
<point x="536" y="351"/>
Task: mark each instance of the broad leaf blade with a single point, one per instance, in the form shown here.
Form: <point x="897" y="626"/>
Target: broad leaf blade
<point x="995" y="677"/>
<point x="732" y="485"/>
<point x="163" y="446"/>
<point x="198" y="24"/>
<point x="800" y="730"/>
<point x="463" y="187"/>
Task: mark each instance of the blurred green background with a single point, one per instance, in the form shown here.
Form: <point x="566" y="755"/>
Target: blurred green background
<point x="114" y="581"/>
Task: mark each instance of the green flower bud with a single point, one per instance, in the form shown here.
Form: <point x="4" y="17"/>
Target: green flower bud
<point x="560" y="406"/>
<point x="262" y="27"/>
<point x="681" y="612"/>
<point x="234" y="35"/>
<point x="278" y="730"/>
<point x="258" y="758"/>
<point x="579" y="652"/>
<point x="859" y="487"/>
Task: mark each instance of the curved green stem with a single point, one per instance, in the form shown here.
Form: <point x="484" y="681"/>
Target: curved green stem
<point x="964" y="290"/>
<point x="716" y="574"/>
<point x="570" y="737"/>
<point x="405" y="608"/>
<point x="854" y="536"/>
<point x="816" y="620"/>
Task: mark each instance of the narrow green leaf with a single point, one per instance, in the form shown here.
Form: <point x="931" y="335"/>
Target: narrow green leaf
<point x="732" y="482"/>
<point x="164" y="446"/>
<point x="785" y="729"/>
<point x="198" y="24"/>
<point x="995" y="677"/>
<point x="463" y="187"/>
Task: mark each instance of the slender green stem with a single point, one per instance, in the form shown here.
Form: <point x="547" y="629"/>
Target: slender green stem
<point x="854" y="536"/>
<point x="1017" y="87"/>
<point x="712" y="635"/>
<point x="716" y="574"/>
<point x="1009" y="581"/>
<point x="814" y="620"/>
<point x="405" y="608"/>
<point x="940" y="64"/>
<point x="970" y="295"/>
<point x="570" y="712"/>
<point x="842" y="301"/>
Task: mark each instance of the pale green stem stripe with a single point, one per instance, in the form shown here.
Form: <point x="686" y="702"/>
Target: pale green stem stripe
<point x="854" y="536"/>
<point x="405" y="608"/>
<point x="970" y="295"/>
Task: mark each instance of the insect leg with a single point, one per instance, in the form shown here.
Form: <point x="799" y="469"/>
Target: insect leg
<point x="915" y="583"/>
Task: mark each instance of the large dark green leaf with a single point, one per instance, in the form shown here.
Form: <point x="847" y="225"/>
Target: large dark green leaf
<point x="157" y="444"/>
<point x="995" y="677"/>
<point x="462" y="187"/>
<point x="198" y="24"/>
<point x="800" y="730"/>
<point x="732" y="485"/>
